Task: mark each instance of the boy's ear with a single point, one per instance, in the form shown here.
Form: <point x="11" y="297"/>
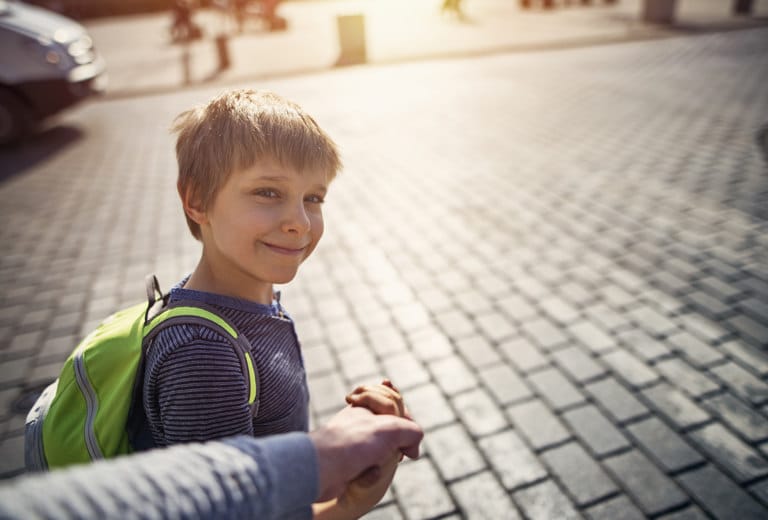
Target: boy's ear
<point x="192" y="207"/>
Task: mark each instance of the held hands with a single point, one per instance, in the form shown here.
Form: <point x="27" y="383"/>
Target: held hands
<point x="363" y="492"/>
<point x="366" y="491"/>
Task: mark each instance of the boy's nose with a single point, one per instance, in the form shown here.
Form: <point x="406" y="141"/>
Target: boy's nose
<point x="296" y="220"/>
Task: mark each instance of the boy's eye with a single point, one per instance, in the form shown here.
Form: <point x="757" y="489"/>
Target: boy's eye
<point x="267" y="192"/>
<point x="315" y="199"/>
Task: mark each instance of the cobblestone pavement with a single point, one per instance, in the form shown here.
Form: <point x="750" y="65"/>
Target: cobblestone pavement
<point x="560" y="257"/>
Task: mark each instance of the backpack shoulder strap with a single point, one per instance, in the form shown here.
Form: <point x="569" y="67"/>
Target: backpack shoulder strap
<point x="161" y="313"/>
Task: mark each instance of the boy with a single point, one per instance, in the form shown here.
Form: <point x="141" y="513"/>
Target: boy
<point x="254" y="169"/>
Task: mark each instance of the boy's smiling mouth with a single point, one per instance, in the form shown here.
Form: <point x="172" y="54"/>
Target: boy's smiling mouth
<point x="289" y="251"/>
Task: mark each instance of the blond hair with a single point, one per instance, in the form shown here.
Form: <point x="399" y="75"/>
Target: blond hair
<point x="236" y="130"/>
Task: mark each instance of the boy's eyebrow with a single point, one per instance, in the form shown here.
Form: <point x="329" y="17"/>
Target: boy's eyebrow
<point x="282" y="178"/>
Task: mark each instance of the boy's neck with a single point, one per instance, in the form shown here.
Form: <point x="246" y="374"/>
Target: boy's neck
<point x="202" y="279"/>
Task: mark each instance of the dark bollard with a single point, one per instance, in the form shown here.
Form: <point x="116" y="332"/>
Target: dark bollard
<point x="351" y="39"/>
<point x="222" y="50"/>
<point x="659" y="11"/>
<point x="742" y="7"/>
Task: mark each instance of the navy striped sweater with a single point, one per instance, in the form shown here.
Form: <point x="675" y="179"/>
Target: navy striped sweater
<point x="194" y="388"/>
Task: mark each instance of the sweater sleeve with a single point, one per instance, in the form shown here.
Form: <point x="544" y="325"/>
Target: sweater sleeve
<point x="194" y="389"/>
<point x="242" y="477"/>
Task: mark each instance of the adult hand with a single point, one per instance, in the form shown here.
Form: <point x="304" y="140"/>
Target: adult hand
<point x="355" y="440"/>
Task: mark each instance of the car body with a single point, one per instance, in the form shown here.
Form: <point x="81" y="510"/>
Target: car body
<point x="48" y="63"/>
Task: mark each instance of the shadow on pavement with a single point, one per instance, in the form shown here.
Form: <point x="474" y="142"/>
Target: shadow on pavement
<point x="43" y="145"/>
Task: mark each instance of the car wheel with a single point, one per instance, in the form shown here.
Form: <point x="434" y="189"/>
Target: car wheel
<point x="15" y="118"/>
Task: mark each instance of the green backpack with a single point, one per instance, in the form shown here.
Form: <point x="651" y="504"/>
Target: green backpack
<point x="93" y="409"/>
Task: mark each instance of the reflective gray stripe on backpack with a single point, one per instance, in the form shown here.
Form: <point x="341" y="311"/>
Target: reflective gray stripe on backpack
<point x="34" y="452"/>
<point x="91" y="405"/>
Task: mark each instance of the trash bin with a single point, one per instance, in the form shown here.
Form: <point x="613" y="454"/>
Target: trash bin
<point x="742" y="7"/>
<point x="351" y="39"/>
<point x="659" y="11"/>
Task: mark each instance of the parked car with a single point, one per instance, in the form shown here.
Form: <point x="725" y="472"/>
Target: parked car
<point x="48" y="63"/>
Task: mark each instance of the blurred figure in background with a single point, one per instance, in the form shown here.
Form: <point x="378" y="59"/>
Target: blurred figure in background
<point x="183" y="27"/>
<point x="453" y="7"/>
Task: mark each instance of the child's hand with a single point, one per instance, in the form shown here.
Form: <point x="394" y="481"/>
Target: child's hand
<point x="380" y="399"/>
<point x="363" y="493"/>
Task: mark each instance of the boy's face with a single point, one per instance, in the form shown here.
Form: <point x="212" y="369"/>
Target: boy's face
<point x="264" y="221"/>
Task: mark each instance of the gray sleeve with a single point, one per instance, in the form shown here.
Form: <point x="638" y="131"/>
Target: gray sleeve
<point x="241" y="477"/>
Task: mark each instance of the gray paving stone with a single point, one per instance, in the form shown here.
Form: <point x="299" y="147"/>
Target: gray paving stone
<point x="629" y="368"/>
<point x="670" y="282"/>
<point x="517" y="307"/>
<point x="719" y="289"/>
<point x="653" y="491"/>
<point x="482" y="497"/>
<point x="405" y="371"/>
<point x="721" y="497"/>
<point x="589" y="335"/>
<point x="14" y="371"/>
<point x="705" y="328"/>
<point x="615" y="296"/>
<point x="545" y="500"/>
<point x="409" y="484"/>
<point x="455" y="324"/>
<point x="495" y="326"/>
<point x="752" y="331"/>
<point x="708" y="305"/>
<point x="504" y="384"/>
<point x="383" y="512"/>
<point x="358" y="362"/>
<point x="619" y="507"/>
<point x="478" y="351"/>
<point x="576" y="293"/>
<point x="742" y="383"/>
<point x="25" y="344"/>
<point x="740" y="418"/>
<point x="621" y="404"/>
<point x="652" y="321"/>
<point x="428" y="406"/>
<point x="695" y="350"/>
<point x="578" y="364"/>
<point x="754" y="360"/>
<point x="412" y="316"/>
<point x="544" y="334"/>
<point x="555" y="388"/>
<point x="663" y="302"/>
<point x="538" y="424"/>
<point x="523" y="354"/>
<point x="755" y="308"/>
<point x="675" y="406"/>
<point x="453" y="375"/>
<point x="606" y="317"/>
<point x="595" y="431"/>
<point x="479" y="413"/>
<point x="453" y="452"/>
<point x="739" y="459"/>
<point x="514" y="462"/>
<point x="43" y="373"/>
<point x="668" y="449"/>
<point x="429" y="344"/>
<point x="689" y="513"/>
<point x="642" y="344"/>
<point x="12" y="456"/>
<point x="760" y="490"/>
<point x="559" y="310"/>
<point x="584" y="479"/>
<point x="687" y="378"/>
<point x="327" y="392"/>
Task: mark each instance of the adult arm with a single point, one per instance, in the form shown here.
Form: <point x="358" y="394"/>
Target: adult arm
<point x="268" y="478"/>
<point x="242" y="477"/>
